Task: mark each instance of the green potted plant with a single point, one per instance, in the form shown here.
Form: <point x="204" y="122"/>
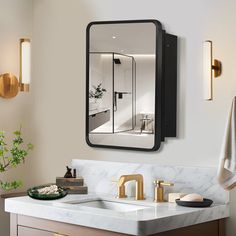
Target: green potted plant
<point x="12" y="156"/>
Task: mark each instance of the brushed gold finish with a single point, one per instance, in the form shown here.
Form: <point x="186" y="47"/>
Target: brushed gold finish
<point x="24" y="40"/>
<point x="217" y="68"/>
<point x="24" y="87"/>
<point x="139" y="194"/>
<point x="159" y="190"/>
<point x="9" y="85"/>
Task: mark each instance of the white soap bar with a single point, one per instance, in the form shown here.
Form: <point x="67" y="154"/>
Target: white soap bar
<point x="193" y="197"/>
<point x="173" y="196"/>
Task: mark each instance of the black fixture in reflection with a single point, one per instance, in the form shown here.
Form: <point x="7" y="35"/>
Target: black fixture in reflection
<point x="117" y="61"/>
<point x="120" y="96"/>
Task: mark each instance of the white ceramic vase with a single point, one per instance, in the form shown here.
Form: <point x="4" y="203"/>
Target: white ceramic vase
<point x="94" y="104"/>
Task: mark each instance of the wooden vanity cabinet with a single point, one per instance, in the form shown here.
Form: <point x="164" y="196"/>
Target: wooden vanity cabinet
<point x="26" y="231"/>
<point x="30" y="226"/>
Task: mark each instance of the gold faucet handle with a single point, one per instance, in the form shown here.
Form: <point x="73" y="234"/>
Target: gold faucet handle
<point x="161" y="183"/>
<point x="158" y="182"/>
<point x="159" y="190"/>
<point x="120" y="195"/>
<point x="167" y="184"/>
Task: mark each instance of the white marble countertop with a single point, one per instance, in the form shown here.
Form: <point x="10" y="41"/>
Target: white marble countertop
<point x="155" y="218"/>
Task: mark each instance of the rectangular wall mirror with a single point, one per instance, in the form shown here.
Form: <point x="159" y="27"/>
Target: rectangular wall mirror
<point x="125" y="89"/>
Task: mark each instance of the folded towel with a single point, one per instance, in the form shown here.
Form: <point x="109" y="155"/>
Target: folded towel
<point x="227" y="164"/>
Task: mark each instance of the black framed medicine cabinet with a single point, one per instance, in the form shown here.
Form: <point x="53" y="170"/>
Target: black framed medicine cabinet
<point x="131" y="80"/>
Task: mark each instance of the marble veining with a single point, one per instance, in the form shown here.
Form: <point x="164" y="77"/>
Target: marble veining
<point x="100" y="175"/>
<point x="155" y="218"/>
<point x="148" y="220"/>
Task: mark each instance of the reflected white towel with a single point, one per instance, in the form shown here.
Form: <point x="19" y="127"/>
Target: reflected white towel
<point x="227" y="163"/>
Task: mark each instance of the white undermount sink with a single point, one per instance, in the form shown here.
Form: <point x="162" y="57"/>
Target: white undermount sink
<point x="109" y="205"/>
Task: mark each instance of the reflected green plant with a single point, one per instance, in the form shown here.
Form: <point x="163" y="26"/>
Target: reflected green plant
<point x="98" y="91"/>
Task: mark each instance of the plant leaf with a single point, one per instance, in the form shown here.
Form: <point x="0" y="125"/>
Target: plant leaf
<point x="11" y="185"/>
<point x="30" y="146"/>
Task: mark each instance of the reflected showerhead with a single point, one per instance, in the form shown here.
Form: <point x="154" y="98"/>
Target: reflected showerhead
<point x="117" y="61"/>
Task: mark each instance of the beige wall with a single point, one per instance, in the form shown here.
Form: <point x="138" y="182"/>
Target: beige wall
<point x="54" y="111"/>
<point x="59" y="80"/>
<point x="15" y="23"/>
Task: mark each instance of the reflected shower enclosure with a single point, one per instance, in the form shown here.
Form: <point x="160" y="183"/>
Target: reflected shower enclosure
<point x="115" y="73"/>
<point x="121" y="85"/>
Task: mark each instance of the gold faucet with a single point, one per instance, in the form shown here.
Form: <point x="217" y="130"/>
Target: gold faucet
<point x="159" y="190"/>
<point x="139" y="186"/>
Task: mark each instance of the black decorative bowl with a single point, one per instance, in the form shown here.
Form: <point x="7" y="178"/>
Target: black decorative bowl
<point x="33" y="193"/>
<point x="206" y="203"/>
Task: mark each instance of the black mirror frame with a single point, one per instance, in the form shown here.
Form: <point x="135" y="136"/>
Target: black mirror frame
<point x="159" y="76"/>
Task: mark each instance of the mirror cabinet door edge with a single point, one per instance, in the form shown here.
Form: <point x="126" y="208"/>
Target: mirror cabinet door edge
<point x="123" y="80"/>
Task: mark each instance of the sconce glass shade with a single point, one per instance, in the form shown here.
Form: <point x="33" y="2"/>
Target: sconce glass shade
<point x="207" y="70"/>
<point x="25" y="64"/>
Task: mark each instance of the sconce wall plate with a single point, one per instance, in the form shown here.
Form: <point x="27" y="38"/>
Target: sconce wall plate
<point x="211" y="68"/>
<point x="9" y="84"/>
<point x="217" y="68"/>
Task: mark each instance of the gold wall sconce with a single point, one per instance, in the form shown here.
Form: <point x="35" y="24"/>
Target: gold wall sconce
<point x="9" y="84"/>
<point x="211" y="68"/>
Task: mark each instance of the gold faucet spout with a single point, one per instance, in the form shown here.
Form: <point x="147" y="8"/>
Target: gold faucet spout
<point x="139" y="195"/>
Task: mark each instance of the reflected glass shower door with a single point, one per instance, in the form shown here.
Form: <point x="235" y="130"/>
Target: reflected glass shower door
<point x="101" y="110"/>
<point x="123" y="97"/>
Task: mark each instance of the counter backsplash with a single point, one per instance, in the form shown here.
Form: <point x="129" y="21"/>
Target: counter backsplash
<point x="100" y="175"/>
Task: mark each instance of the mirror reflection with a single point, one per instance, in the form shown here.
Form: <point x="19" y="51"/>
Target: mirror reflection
<point x="121" y="91"/>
